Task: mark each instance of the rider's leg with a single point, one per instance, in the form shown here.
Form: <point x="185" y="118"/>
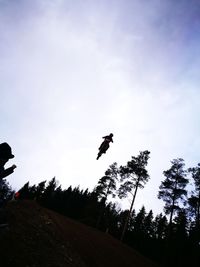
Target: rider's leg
<point x="102" y="144"/>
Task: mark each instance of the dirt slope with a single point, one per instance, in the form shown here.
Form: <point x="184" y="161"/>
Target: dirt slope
<point x="38" y="237"/>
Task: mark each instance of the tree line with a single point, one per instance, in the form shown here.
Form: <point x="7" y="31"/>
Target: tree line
<point x="172" y="236"/>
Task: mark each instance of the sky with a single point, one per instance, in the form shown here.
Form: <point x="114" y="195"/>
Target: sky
<point x="74" y="71"/>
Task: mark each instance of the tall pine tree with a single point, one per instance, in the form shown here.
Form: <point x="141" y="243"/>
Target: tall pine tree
<point x="172" y="189"/>
<point x="194" y="201"/>
<point x="133" y="176"/>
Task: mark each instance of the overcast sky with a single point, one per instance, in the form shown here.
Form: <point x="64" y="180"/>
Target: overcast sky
<point x="72" y="71"/>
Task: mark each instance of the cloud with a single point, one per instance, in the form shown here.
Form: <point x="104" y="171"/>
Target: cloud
<point x="73" y="72"/>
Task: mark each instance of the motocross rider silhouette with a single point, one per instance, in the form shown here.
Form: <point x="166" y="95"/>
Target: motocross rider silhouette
<point x="105" y="144"/>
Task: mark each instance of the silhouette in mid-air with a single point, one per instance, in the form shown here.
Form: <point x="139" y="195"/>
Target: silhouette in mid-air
<point x="105" y="145"/>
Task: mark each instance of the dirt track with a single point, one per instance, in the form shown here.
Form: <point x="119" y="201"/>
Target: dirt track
<point x="39" y="237"/>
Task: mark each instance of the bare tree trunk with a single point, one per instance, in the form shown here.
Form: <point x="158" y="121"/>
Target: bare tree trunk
<point x="198" y="213"/>
<point x="172" y="213"/>
<point x="129" y="213"/>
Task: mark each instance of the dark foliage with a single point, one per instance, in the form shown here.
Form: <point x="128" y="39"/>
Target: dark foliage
<point x="6" y="192"/>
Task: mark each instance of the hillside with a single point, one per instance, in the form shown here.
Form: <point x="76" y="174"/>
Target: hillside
<point x="38" y="237"/>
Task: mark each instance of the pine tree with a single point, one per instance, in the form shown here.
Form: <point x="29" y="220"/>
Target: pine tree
<point x="149" y="224"/>
<point x="181" y="226"/>
<point x="161" y="225"/>
<point x="139" y="223"/>
<point x="49" y="193"/>
<point x="172" y="189"/>
<point x="133" y="176"/>
<point x="40" y="190"/>
<point x="6" y="192"/>
<point x="194" y="201"/>
<point x="106" y="186"/>
<point x="24" y="192"/>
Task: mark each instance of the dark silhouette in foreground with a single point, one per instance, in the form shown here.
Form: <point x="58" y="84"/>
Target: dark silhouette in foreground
<point x="105" y="145"/>
<point x="43" y="238"/>
<point x="5" y="155"/>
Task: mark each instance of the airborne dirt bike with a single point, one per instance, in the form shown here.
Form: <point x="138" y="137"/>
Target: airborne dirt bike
<point x="103" y="148"/>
